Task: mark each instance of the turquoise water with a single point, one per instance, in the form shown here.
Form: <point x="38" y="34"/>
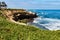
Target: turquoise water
<point x="47" y="19"/>
<point x="47" y="13"/>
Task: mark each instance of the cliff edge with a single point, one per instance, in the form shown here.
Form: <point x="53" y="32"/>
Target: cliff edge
<point x="18" y="15"/>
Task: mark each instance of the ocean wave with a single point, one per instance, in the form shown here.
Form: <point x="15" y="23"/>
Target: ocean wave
<point x="47" y="23"/>
<point x="48" y="19"/>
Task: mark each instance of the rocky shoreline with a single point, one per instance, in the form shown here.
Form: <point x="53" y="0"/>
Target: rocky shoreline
<point x="19" y="15"/>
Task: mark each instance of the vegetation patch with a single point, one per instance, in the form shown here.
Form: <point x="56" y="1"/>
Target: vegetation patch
<point x="12" y="31"/>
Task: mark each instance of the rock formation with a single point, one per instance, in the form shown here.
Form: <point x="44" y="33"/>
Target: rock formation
<point x="23" y="15"/>
<point x="19" y="14"/>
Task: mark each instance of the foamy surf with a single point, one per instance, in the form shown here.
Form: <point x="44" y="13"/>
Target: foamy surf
<point x="47" y="23"/>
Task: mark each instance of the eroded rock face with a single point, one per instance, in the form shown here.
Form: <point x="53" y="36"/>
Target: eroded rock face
<point x="23" y="15"/>
<point x="17" y="15"/>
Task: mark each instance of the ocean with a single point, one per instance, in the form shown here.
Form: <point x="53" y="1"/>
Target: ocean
<point x="47" y="19"/>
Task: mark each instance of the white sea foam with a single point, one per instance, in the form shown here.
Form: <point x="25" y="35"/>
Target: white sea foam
<point x="48" y="23"/>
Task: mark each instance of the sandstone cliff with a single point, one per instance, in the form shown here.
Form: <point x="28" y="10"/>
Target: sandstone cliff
<point x="18" y="15"/>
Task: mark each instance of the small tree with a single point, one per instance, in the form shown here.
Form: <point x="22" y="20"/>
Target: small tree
<point x="3" y="5"/>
